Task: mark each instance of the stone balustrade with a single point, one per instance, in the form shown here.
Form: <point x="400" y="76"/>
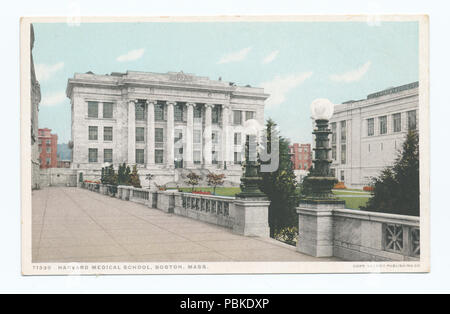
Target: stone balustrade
<point x="243" y="216"/>
<point x="355" y="235"/>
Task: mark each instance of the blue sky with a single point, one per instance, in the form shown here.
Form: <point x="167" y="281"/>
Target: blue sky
<point x="296" y="62"/>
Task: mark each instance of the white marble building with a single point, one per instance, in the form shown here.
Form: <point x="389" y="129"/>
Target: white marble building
<point x="168" y="124"/>
<point x="368" y="133"/>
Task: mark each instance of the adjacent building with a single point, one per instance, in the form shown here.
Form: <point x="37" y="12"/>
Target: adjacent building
<point x="301" y="156"/>
<point x="367" y="134"/>
<point x="48" y="144"/>
<point x="166" y="123"/>
<point x="35" y="95"/>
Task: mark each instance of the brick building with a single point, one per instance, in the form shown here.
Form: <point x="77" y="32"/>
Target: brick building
<point x="301" y="156"/>
<point x="48" y="143"/>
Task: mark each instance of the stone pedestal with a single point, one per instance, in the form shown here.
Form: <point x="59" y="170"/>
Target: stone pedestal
<point x="252" y="217"/>
<point x="315" y="225"/>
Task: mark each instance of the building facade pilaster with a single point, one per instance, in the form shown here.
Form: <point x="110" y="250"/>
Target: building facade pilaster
<point x="170" y="135"/>
<point x="207" y="154"/>
<point x="226" y="148"/>
<point x="131" y="131"/>
<point x="150" y="132"/>
<point x="188" y="153"/>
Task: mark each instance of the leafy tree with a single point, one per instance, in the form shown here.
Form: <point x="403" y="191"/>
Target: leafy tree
<point x="280" y="185"/>
<point x="193" y="179"/>
<point x="127" y="175"/>
<point x="121" y="179"/>
<point x="396" y="190"/>
<point x="214" y="180"/>
<point x="109" y="175"/>
<point x="134" y="178"/>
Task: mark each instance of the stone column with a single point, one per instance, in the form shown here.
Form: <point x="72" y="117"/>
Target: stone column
<point x="150" y="133"/>
<point x="226" y="149"/>
<point x="207" y="143"/>
<point x="315" y="225"/>
<point x="252" y="217"/>
<point x="170" y="136"/>
<point x="188" y="153"/>
<point x="131" y="131"/>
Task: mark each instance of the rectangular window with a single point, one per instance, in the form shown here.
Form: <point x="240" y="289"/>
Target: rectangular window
<point x="371" y="127"/>
<point x="343" y="154"/>
<point x="383" y="124"/>
<point x="342" y="175"/>
<point x="333" y="152"/>
<point x="197" y="112"/>
<point x="93" y="133"/>
<point x="48" y="161"/>
<point x="215" y="137"/>
<point x="343" y="131"/>
<point x="140" y="111"/>
<point x="215" y="157"/>
<point x="197" y="157"/>
<point x="159" y="135"/>
<point x="107" y="155"/>
<point x="49" y="149"/>
<point x="92" y="109"/>
<point x="249" y="115"/>
<point x="197" y="136"/>
<point x="412" y="120"/>
<point x="93" y="154"/>
<point x="159" y="156"/>
<point x="140" y="156"/>
<point x="178" y="113"/>
<point x="237" y="117"/>
<point x="159" y="111"/>
<point x="237" y="138"/>
<point x="397" y="120"/>
<point x="107" y="110"/>
<point x="140" y="137"/>
<point x="49" y="142"/>
<point x="237" y="158"/>
<point x="215" y="115"/>
<point x="108" y="133"/>
<point x="333" y="133"/>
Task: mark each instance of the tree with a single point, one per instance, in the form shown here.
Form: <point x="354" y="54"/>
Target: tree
<point x="121" y="179"/>
<point x="109" y="175"/>
<point x="193" y="179"/>
<point x="397" y="188"/>
<point x="134" y="178"/>
<point x="280" y="185"/>
<point x="214" y="180"/>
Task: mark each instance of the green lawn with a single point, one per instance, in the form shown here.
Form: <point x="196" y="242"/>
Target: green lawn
<point x="222" y="191"/>
<point x="354" y="202"/>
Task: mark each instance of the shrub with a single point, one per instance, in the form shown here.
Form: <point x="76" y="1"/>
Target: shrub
<point x="368" y="188"/>
<point x="340" y="186"/>
<point x="288" y="235"/>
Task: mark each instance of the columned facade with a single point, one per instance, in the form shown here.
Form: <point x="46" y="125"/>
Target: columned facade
<point x="166" y="124"/>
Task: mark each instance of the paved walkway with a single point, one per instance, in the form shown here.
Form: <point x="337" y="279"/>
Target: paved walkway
<point x="75" y="225"/>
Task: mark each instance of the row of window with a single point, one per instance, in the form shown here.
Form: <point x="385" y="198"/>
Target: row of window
<point x="47" y="142"/>
<point x="159" y="156"/>
<point x="141" y="112"/>
<point x="48" y="149"/>
<point x="396" y="123"/>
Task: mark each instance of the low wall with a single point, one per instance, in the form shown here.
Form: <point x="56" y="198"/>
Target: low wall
<point x="244" y="216"/>
<point x="327" y="230"/>
<point x="370" y="236"/>
<point x="57" y="177"/>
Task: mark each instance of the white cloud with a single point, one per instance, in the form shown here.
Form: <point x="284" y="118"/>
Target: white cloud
<point x="353" y="75"/>
<point x="235" y="56"/>
<point x="131" y="55"/>
<point x="45" y="71"/>
<point x="53" y="99"/>
<point x="281" y="85"/>
<point x="270" y="57"/>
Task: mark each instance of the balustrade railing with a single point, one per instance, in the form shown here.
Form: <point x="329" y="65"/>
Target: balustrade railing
<point x="207" y="204"/>
<point x="402" y="239"/>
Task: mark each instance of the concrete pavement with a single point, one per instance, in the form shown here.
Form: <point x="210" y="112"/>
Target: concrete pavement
<point x="75" y="225"/>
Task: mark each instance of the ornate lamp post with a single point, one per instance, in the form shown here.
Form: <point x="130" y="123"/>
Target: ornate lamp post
<point x="320" y="181"/>
<point x="250" y="179"/>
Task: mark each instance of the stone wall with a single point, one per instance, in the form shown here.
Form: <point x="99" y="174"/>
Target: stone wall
<point x="57" y="177"/>
<point x="244" y="216"/>
<point x="327" y="230"/>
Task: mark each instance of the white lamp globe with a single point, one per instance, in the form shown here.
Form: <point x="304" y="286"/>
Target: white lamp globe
<point x="252" y="127"/>
<point x="322" y="109"/>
